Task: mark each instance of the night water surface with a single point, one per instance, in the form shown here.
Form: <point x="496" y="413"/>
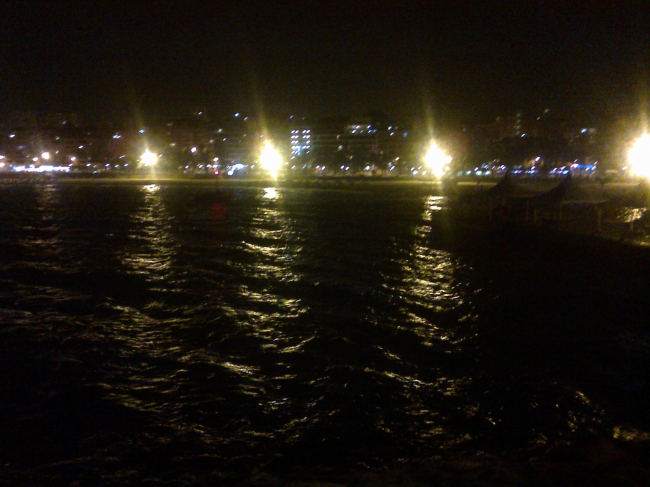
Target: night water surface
<point x="202" y="335"/>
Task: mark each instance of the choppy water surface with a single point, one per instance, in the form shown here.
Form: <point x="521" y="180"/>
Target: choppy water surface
<point x="200" y="335"/>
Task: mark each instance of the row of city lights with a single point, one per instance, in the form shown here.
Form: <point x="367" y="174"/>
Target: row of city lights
<point x="436" y="160"/>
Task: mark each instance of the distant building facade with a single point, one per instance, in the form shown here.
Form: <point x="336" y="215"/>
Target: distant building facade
<point x="347" y="144"/>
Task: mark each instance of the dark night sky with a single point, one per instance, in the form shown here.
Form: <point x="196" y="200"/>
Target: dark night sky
<point x="475" y="60"/>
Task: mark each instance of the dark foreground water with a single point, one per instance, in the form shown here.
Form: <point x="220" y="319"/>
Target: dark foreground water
<point x="191" y="335"/>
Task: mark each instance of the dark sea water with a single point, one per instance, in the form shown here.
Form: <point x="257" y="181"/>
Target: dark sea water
<point x="202" y="335"/>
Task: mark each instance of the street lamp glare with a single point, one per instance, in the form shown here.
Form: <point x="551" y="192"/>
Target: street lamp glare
<point x="639" y="156"/>
<point x="436" y="160"/>
<point x="148" y="158"/>
<point x="270" y="159"/>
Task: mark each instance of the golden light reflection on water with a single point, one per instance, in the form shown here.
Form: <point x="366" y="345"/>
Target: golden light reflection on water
<point x="433" y="204"/>
<point x="48" y="240"/>
<point x="273" y="244"/>
<point x="153" y="244"/>
<point x="48" y="198"/>
<point x="242" y="370"/>
<point x="48" y="202"/>
<point x="430" y="286"/>
<point x="140" y="341"/>
<point x="272" y="239"/>
<point x="434" y="209"/>
<point x="270" y="193"/>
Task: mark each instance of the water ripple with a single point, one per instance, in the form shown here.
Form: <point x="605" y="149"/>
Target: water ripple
<point x="185" y="331"/>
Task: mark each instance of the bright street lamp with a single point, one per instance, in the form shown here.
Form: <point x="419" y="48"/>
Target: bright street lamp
<point x="639" y="156"/>
<point x="436" y="160"/>
<point x="270" y="159"/>
<point x="148" y="158"/>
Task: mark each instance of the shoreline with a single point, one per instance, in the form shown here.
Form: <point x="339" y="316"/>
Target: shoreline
<point x="580" y="228"/>
<point x="462" y="184"/>
<point x="325" y="182"/>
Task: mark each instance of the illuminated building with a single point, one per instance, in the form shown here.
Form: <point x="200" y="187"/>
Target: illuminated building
<point x="300" y="141"/>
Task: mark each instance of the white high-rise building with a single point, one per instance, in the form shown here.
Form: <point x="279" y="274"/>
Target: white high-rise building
<point x="300" y="141"/>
